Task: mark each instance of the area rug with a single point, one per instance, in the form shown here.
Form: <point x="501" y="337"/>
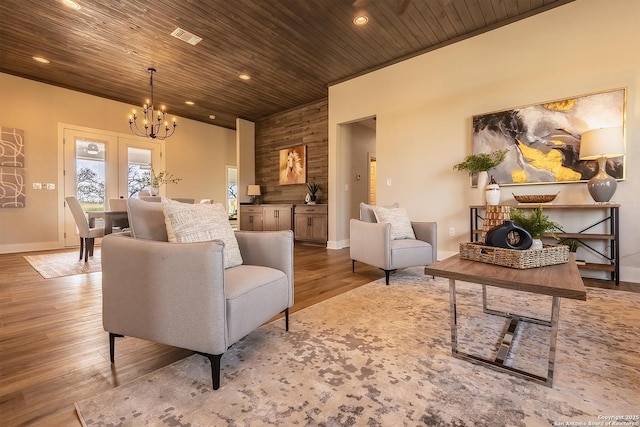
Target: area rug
<point x="64" y="263"/>
<point x="380" y="356"/>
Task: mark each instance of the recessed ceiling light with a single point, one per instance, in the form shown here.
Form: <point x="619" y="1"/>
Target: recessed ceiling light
<point x="189" y="102"/>
<point x="71" y="4"/>
<point x="360" y="20"/>
<point x="41" y="59"/>
<point x="212" y="117"/>
<point x="245" y="76"/>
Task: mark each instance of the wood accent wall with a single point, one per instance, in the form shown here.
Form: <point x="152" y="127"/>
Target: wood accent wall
<point x="307" y="125"/>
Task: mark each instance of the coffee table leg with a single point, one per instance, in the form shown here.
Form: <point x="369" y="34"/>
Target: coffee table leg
<point x="498" y="363"/>
<point x="555" y="314"/>
<point x="454" y="317"/>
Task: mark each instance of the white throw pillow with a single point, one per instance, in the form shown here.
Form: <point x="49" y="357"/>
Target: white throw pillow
<point x="399" y="220"/>
<point x="190" y="223"/>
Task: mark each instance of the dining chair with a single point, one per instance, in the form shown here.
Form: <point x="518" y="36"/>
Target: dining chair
<point x="184" y="200"/>
<point x="87" y="234"/>
<point x="119" y="205"/>
<point x="150" y="198"/>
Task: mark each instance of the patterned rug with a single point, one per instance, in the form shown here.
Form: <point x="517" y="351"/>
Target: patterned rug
<point x="64" y="263"/>
<point x="380" y="356"/>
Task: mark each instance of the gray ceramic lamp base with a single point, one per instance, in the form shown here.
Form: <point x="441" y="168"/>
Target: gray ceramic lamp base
<point x="602" y="186"/>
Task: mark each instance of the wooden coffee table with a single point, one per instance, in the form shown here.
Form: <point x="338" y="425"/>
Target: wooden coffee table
<point x="558" y="281"/>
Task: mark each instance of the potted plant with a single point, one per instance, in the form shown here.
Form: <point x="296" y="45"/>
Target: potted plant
<point x="160" y="179"/>
<point x="481" y="164"/>
<point x="313" y="188"/>
<point x="536" y="223"/>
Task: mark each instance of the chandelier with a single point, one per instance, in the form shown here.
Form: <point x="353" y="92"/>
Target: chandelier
<point x="154" y="121"/>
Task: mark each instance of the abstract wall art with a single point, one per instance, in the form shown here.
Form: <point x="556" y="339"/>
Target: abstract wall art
<point x="543" y="140"/>
<point x="12" y="188"/>
<point x="12" y="147"/>
<point x="12" y="172"/>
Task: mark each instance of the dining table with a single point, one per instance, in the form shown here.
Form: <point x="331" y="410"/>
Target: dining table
<point x="110" y="217"/>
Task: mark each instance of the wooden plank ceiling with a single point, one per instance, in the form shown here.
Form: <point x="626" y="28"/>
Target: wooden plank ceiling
<point x="292" y="49"/>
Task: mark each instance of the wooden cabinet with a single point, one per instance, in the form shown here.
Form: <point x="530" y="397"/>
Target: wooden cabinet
<point x="277" y="217"/>
<point x="266" y="217"/>
<point x="606" y="217"/>
<point x="311" y="223"/>
<point x="251" y="218"/>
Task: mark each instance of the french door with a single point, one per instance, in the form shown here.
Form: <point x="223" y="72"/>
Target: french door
<point x="99" y="166"/>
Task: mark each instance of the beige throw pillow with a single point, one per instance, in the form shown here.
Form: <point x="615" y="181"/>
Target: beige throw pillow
<point x="399" y="220"/>
<point x="189" y="223"/>
<point x="366" y="211"/>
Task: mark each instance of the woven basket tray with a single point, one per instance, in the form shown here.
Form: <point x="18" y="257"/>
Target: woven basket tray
<point x="521" y="259"/>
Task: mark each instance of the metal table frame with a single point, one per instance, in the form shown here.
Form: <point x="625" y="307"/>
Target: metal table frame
<point x="507" y="339"/>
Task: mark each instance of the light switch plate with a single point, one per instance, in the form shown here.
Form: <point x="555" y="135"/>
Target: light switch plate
<point x="37" y="186"/>
<point x="51" y="186"/>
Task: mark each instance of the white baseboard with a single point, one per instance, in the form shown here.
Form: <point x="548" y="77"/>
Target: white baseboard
<point x="29" y="247"/>
<point x="630" y="274"/>
<point x="339" y="244"/>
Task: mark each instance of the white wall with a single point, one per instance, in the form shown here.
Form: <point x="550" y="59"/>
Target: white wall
<point x="197" y="153"/>
<point x="424" y="107"/>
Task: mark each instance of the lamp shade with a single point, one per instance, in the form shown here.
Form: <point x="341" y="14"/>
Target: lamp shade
<point x="253" y="190"/>
<point x="605" y="142"/>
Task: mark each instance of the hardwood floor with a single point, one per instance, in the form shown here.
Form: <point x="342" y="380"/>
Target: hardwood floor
<point x="53" y="350"/>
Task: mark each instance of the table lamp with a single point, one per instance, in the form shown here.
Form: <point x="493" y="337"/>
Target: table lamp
<point x="600" y="145"/>
<point x="254" y="191"/>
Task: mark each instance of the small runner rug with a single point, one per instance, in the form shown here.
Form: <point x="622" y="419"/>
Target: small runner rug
<point x="380" y="356"/>
<point x="64" y="263"/>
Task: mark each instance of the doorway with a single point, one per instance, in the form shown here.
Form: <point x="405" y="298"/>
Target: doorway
<point x="101" y="165"/>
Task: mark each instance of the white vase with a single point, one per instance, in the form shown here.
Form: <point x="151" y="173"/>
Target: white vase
<point x="537" y="244"/>
<point x="492" y="194"/>
<point x="483" y="179"/>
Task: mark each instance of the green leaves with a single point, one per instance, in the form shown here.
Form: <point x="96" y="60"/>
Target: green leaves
<point x="481" y="162"/>
<point x="535" y="223"/>
<point x="313" y="188"/>
<point x="162" y="178"/>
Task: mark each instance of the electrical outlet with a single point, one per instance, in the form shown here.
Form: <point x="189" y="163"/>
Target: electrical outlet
<point x="37" y="186"/>
<point x="452" y="231"/>
<point x="389" y="182"/>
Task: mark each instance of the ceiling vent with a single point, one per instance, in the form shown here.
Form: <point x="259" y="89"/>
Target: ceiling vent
<point x="186" y="36"/>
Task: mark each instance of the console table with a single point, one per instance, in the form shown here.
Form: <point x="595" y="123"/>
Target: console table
<point x="611" y="215"/>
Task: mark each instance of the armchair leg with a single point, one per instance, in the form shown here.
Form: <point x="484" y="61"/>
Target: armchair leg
<point x="112" y="345"/>
<point x="286" y="319"/>
<point x="215" y="368"/>
<point x="386" y="275"/>
<point x="353" y="265"/>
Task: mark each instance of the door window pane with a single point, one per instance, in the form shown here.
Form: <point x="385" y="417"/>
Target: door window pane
<point x="139" y="170"/>
<point x="90" y="174"/>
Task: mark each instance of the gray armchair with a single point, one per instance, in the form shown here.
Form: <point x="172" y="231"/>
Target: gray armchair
<point x="180" y="294"/>
<point x="371" y="243"/>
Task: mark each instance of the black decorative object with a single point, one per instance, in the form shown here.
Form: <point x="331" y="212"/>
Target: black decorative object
<point x="508" y="236"/>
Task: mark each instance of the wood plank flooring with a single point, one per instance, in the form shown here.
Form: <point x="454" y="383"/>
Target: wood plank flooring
<point x="53" y="350"/>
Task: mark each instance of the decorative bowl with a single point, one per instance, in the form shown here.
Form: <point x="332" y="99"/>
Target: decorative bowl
<point x="535" y="198"/>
